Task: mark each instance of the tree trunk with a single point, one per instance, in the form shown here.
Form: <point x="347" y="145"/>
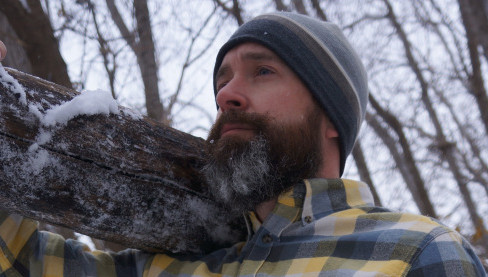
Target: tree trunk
<point x="16" y="58"/>
<point x="145" y="53"/>
<point x="119" y="177"/>
<point x="146" y="60"/>
<point x="36" y="35"/>
<point x="471" y="15"/>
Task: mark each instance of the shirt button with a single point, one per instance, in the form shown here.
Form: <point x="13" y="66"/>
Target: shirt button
<point x="267" y="238"/>
<point x="308" y="219"/>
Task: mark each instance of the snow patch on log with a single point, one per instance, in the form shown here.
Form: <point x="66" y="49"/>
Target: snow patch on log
<point x="87" y="103"/>
<point x="37" y="161"/>
<point x="68" y="171"/>
<point x="13" y="85"/>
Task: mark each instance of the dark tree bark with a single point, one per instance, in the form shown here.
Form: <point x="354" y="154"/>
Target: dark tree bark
<point x="476" y="11"/>
<point x="476" y="27"/>
<point x="119" y="178"/>
<point x="36" y="35"/>
<point x="16" y="58"/>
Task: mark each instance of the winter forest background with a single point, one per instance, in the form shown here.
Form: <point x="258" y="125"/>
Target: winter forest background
<point x="424" y="147"/>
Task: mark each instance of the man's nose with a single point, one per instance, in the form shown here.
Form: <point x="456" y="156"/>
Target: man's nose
<point x="232" y="95"/>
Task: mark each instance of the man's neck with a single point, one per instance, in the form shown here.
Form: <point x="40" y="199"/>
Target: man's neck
<point x="264" y="209"/>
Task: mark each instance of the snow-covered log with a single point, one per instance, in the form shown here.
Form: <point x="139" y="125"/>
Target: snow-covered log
<point x="83" y="162"/>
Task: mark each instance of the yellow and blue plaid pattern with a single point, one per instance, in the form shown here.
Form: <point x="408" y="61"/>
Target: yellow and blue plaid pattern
<point x="319" y="228"/>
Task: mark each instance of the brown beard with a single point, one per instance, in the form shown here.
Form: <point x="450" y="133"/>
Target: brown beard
<point x="243" y="173"/>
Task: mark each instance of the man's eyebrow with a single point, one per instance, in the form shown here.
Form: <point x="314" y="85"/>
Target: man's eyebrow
<point x="259" y="56"/>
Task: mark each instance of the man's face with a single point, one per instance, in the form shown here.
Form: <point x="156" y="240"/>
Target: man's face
<point x="267" y="134"/>
<point x="253" y="79"/>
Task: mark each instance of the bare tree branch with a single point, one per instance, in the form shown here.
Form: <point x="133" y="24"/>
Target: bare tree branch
<point x="280" y="6"/>
<point x="235" y="10"/>
<point x="145" y="52"/>
<point x="405" y="161"/>
<point x="318" y="10"/>
<point x="442" y="144"/>
<point x="189" y="60"/>
<point x="357" y="153"/>
<point x="299" y="6"/>
<point x="119" y="22"/>
<point x="105" y="51"/>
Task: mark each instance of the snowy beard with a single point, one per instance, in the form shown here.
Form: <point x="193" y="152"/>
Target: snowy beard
<point x="243" y="173"/>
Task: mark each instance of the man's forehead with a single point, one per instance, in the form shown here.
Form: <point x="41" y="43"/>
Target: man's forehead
<point x="251" y="51"/>
<point x="248" y="51"/>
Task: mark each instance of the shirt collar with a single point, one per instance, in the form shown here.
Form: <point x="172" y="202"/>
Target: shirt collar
<point x="313" y="199"/>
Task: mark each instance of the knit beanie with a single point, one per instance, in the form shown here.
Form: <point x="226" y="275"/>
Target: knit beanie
<point x="322" y="58"/>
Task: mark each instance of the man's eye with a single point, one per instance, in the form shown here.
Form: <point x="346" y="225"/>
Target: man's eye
<point x="221" y="85"/>
<point x="264" y="71"/>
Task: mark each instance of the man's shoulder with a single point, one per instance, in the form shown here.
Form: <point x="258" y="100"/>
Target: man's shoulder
<point x="378" y="219"/>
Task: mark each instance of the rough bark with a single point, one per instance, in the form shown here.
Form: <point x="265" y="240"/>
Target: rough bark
<point x="17" y="58"/>
<point x="119" y="177"/>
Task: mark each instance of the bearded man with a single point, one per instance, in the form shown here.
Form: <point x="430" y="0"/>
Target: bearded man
<point x="291" y="94"/>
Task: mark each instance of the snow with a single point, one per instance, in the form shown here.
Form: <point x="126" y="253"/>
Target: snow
<point x="35" y="109"/>
<point x="14" y="86"/>
<point x="87" y="103"/>
<point x="38" y="161"/>
<point x="134" y="115"/>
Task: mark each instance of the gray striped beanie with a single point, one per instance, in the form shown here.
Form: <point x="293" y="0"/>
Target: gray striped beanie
<point x="323" y="59"/>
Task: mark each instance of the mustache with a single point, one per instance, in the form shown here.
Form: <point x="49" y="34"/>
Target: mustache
<point x="259" y="122"/>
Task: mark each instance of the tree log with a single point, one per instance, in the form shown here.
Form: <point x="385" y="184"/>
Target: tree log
<point x="117" y="177"/>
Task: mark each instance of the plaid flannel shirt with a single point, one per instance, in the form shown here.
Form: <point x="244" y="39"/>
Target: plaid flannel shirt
<point x="319" y="228"/>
